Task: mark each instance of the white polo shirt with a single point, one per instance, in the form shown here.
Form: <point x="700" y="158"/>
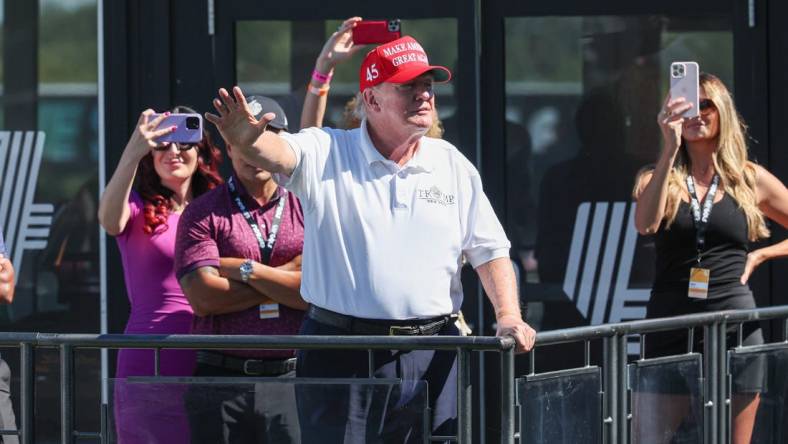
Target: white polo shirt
<point x="383" y="241"/>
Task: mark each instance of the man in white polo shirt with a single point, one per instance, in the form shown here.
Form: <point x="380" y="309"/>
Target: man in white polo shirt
<point x="389" y="216"/>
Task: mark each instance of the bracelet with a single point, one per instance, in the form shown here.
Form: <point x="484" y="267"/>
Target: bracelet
<point x="318" y="91"/>
<point x="319" y="77"/>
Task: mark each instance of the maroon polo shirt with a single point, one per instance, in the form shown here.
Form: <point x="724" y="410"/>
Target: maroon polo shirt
<point x="211" y="227"/>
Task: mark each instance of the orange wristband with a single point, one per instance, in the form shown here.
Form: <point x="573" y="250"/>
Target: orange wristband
<point x="318" y="91"/>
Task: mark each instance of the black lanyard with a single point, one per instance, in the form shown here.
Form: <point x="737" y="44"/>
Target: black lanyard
<point x="266" y="247"/>
<point x="702" y="218"/>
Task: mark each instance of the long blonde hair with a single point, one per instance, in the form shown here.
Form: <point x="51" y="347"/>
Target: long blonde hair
<point x="737" y="174"/>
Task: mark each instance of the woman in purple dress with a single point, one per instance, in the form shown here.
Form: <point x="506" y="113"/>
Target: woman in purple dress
<point x="143" y="217"/>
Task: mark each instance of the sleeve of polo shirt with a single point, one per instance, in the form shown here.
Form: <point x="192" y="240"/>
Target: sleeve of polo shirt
<point x="485" y="239"/>
<point x="195" y="245"/>
<point x="311" y="147"/>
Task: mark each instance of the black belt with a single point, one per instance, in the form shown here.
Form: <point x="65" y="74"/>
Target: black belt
<point x="361" y="326"/>
<point x="251" y="367"/>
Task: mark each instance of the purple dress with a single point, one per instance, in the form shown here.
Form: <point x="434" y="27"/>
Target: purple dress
<point x="158" y="306"/>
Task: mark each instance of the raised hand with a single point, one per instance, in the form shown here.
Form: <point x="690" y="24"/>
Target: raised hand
<point x="143" y="139"/>
<point x="236" y="122"/>
<point x="339" y="47"/>
<point x="671" y="120"/>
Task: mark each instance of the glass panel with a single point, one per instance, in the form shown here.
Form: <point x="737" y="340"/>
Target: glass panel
<point x="582" y="94"/>
<point x="759" y="407"/>
<point x="671" y="387"/>
<point x="48" y="192"/>
<point x="276" y="58"/>
<point x="565" y="408"/>
<point x="166" y="410"/>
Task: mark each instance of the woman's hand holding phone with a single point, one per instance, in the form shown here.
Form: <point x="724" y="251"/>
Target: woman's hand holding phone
<point x="339" y="47"/>
<point x="671" y="121"/>
<point x="145" y="135"/>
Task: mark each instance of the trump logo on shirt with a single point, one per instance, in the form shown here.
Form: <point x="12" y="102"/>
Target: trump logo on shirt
<point x="436" y="196"/>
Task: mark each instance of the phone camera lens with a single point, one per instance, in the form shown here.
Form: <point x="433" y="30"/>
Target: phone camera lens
<point x="192" y="123"/>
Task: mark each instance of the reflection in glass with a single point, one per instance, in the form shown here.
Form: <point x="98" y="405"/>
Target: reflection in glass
<point x="582" y="94"/>
<point x="48" y="192"/>
<point x="561" y="408"/>
<point x="759" y="382"/>
<point x="671" y="387"/>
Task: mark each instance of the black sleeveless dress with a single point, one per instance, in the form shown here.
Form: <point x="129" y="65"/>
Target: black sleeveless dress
<point x="725" y="255"/>
<point x="725" y="252"/>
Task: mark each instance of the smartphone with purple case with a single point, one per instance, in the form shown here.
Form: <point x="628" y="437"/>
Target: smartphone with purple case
<point x="188" y="128"/>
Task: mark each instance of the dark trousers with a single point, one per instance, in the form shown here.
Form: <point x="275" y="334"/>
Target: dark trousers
<point x="227" y="413"/>
<point x="363" y="413"/>
<point x="7" y="418"/>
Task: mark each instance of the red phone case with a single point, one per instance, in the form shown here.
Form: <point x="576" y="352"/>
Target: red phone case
<point x="366" y="32"/>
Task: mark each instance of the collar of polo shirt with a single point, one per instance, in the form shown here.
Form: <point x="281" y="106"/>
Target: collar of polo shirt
<point x="420" y="161"/>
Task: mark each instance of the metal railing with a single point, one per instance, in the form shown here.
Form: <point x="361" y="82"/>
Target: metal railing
<point x="614" y="362"/>
<point x="614" y="365"/>
<point x="69" y="343"/>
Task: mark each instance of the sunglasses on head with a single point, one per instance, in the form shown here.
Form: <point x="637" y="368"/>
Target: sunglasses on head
<point x="179" y="146"/>
<point x="706" y="105"/>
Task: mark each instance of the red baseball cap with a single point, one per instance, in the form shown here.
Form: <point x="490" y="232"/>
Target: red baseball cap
<point x="398" y="61"/>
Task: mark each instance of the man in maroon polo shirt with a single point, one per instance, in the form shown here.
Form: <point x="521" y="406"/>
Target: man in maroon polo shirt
<point x="238" y="260"/>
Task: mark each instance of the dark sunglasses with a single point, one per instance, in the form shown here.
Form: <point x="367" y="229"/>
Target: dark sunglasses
<point x="706" y="105"/>
<point x="180" y="146"/>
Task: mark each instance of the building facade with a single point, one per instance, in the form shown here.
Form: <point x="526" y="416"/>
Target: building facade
<point x="555" y="102"/>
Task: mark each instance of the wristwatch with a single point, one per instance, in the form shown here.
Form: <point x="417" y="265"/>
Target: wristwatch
<point x="246" y="270"/>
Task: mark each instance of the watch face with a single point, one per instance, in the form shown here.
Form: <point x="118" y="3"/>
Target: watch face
<point x="246" y="270"/>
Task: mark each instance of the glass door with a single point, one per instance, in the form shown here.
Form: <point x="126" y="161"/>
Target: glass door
<point x="570" y="93"/>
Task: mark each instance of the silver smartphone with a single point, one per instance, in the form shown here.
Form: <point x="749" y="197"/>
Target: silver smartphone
<point x="684" y="83"/>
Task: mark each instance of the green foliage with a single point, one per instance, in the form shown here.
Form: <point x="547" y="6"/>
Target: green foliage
<point x="263" y="49"/>
<point x="67" y="43"/>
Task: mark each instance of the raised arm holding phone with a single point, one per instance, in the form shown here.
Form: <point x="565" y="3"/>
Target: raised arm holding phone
<point x="338" y="49"/>
<point x="167" y="162"/>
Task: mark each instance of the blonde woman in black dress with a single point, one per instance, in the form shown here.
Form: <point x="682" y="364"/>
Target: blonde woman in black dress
<point x="702" y="154"/>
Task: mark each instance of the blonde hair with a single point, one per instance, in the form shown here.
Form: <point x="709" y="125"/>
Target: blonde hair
<point x="737" y="174"/>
